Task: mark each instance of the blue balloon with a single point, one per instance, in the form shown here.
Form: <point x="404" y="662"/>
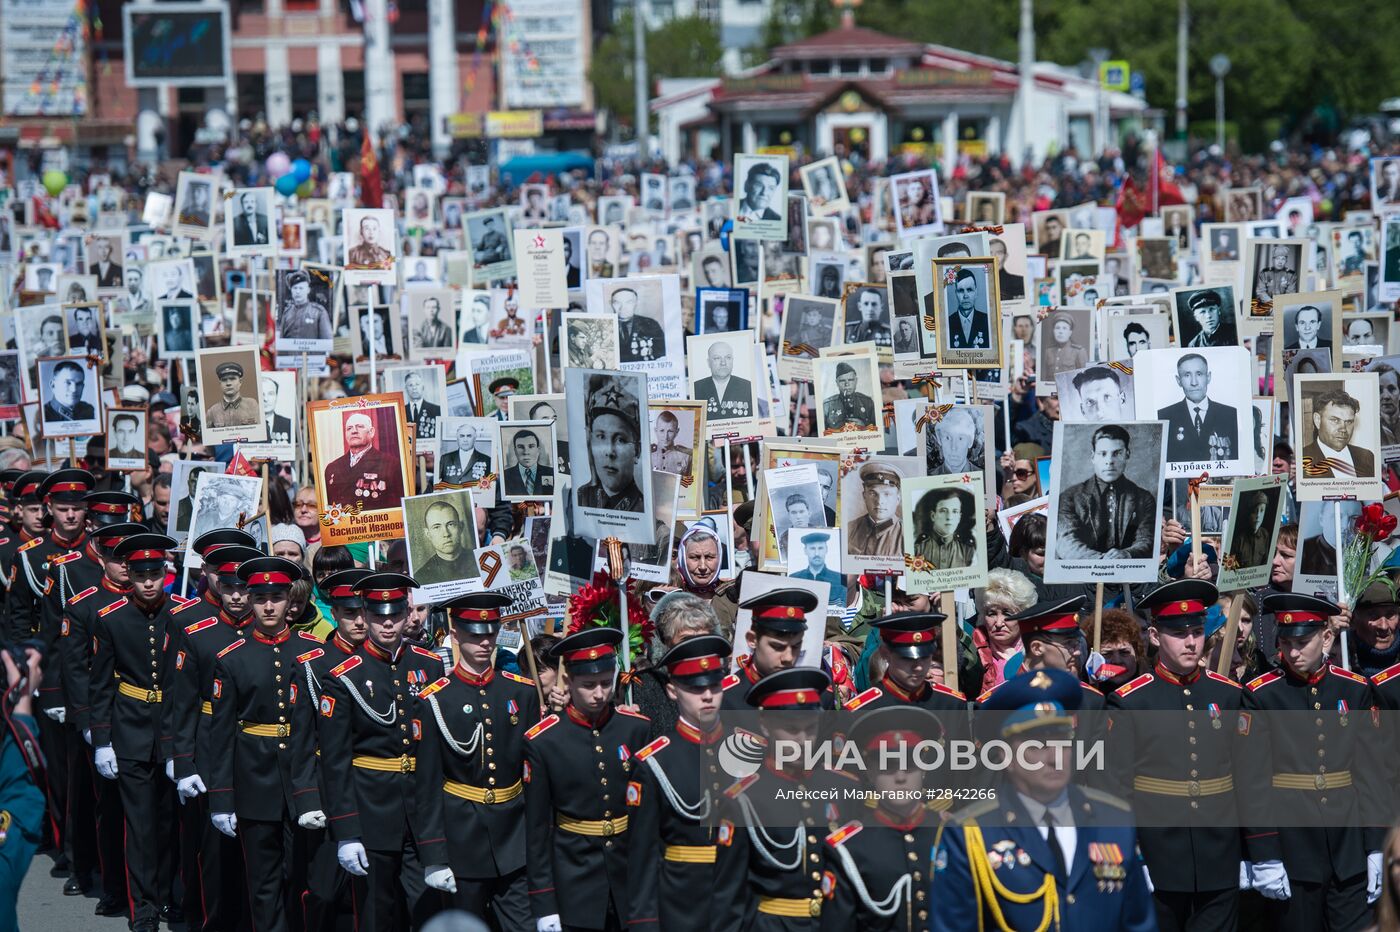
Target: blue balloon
<point x="287" y="184"/>
<point x="301" y="168"/>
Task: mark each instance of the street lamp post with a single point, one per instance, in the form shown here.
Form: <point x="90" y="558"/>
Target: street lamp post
<point x="1098" y="56"/>
<point x="1220" y="66"/>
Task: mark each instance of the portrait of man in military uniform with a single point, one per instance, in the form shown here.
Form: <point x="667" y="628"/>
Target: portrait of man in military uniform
<point x="607" y="465"/>
<point x="1063" y="341"/>
<point x="229" y="395"/>
<point x="849" y="408"/>
<point x="441" y="538"/>
<point x="371" y="470"/>
<point x="668" y="453"/>
<point x="369" y="240"/>
<point x="873" y="520"/>
<point x="639" y="337"/>
<point x="1252" y="530"/>
<point x="303" y="310"/>
<point x="1206" y="317"/>
<point x="1276" y="271"/>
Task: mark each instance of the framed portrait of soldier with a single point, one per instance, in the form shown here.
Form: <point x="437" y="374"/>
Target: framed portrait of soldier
<point x="432" y="321"/>
<point x="609" y="488"/>
<point x="1204" y="396"/>
<point x="760" y="196"/>
<point x="1243" y="204"/>
<point x="721" y="310"/>
<point x="467" y="457"/>
<point x="986" y="208"/>
<point x="677" y="447"/>
<point x="777" y="454"/>
<point x="371" y="246"/>
<point x="1336" y="426"/>
<point x="1385" y="183"/>
<point x="528" y="460"/>
<point x="223" y="501"/>
<point x="125" y="435"/>
<point x="440" y="536"/>
<point x="305" y="309"/>
<point x="1273" y="267"/>
<point x="809" y="326"/>
<point x="70" y="405"/>
<point x="248" y="218"/>
<point x="589" y="341"/>
<point x="84" y="329"/>
<point x="825" y="186"/>
<point x="648" y="320"/>
<point x="613" y="209"/>
<point x="363" y="462"/>
<point x="1388" y="275"/>
<point x="277" y="389"/>
<point x="375" y="330"/>
<point x="794" y="499"/>
<point x="1127" y="335"/>
<point x="177" y="328"/>
<point x="747" y="256"/>
<point x="1098" y="392"/>
<point x="1105" y="510"/>
<point x="1220" y="252"/>
<point x="1063" y="338"/>
<point x="13" y="384"/>
<point x="1082" y="245"/>
<point x="847" y="388"/>
<point x="1306" y="324"/>
<point x="194" y="205"/>
<point x="722" y="375"/>
<point x="866" y="315"/>
<point x="945" y="533"/>
<point x="1319" y="527"/>
<point x="230" y="400"/>
<point x="1247" y="551"/>
<point x="871" y="513"/>
<point x="1206" y="316"/>
<point x="954" y="441"/>
<point x="424" y="390"/>
<point x="918" y="209"/>
<point x="967" y="306"/>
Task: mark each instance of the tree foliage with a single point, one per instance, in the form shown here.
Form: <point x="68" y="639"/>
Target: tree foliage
<point x="681" y="48"/>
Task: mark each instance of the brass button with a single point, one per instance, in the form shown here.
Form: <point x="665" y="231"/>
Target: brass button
<point x="912" y="856"/>
<point x="816" y="875"/>
<point x="1195" y="805"/>
<point x="490" y="781"/>
<point x="1190" y="707"/>
<point x="814" y="858"/>
<point x="909" y="838"/>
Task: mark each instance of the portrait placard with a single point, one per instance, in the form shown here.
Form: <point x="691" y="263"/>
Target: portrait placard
<point x="1203" y="396"/>
<point x="678" y="432"/>
<point x="125" y="439"/>
<point x="967" y="306"/>
<point x="1256" y="506"/>
<point x="528" y="460"/>
<point x="945" y="533"/>
<point x="224" y="501"/>
<point x="280" y="412"/>
<point x="371" y="246"/>
<point x="306" y="301"/>
<point x="809" y="326"/>
<point x="440" y="534"/>
<point x="248" y="217"/>
<point x="918" y="209"/>
<point x="1098" y="393"/>
<point x="827" y="459"/>
<point x="825" y="186"/>
<point x="846" y="386"/>
<point x="722" y="375"/>
<point x="760" y="196"/>
<point x="230" y="401"/>
<point x="870" y="509"/>
<point x="363" y="461"/>
<point x="1336" y="426"/>
<point x="71" y="405"/>
<point x="610" y="494"/>
<point x="432" y="318"/>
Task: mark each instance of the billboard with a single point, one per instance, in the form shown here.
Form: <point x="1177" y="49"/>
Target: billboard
<point x="545" y="53"/>
<point x="177" y="44"/>
<point x="44" y="50"/>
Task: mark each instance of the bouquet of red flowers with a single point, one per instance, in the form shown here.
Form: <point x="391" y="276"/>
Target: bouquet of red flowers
<point x="596" y="604"/>
<point x="1372" y="525"/>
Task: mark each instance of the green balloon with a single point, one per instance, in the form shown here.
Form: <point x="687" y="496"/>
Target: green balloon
<point x="55" y="181"/>
<point x="306" y="188"/>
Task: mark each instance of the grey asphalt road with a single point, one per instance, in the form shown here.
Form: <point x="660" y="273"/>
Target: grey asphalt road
<point x="44" y="908"/>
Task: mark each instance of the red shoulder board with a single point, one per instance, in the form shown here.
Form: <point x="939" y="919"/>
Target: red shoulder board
<point x="1211" y="674"/>
<point x="425" y="652"/>
<point x="540" y="727"/>
<point x="63" y="558"/>
<point x="729" y="681"/>
<point x="180" y="602"/>
<point x="739" y="787"/>
<point x="82" y="595"/>
<point x="1264" y="679"/>
<point x="310" y="655"/>
<point x="1134" y="685"/>
<point x="309" y="637"/>
<point x="517" y="678"/>
<point x="1385" y="674"/>
<point x="947" y="691"/>
<point x="869" y="695"/>
<point x="184" y="605"/>
<point x="4" y="541"/>
<point x="983" y="697"/>
<point x="1090" y="688"/>
<point x="104" y="612"/>
<point x="846" y="831"/>
<point x="199" y="626"/>
<point x="349" y="664"/>
<point x="652" y="748"/>
<point x="432" y="687"/>
<point x="633" y="714"/>
<point x="236" y="644"/>
<point x="31" y="544"/>
<point x="1349" y="675"/>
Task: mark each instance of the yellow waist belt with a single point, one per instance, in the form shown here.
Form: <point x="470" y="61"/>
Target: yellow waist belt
<point x="206" y="707"/>
<point x="1192" y="788"/>
<point x="690" y="854"/>
<point x="403" y="764"/>
<point x="136" y="692"/>
<point x="265" y="731"/>
<point x="489" y="796"/>
<point x="602" y="828"/>
<point x="797" y="909"/>
<point x="1312" y="781"/>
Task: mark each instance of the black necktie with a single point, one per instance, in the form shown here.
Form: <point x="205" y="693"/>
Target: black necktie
<point x="1196" y="419"/>
<point x="1053" y="841"/>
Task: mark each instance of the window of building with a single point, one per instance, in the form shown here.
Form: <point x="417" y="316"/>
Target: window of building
<point x="304" y="94"/>
<point x="819" y="66"/>
<point x="354" y="93"/>
<point x="708" y="10"/>
<point x="850" y="66"/>
<point x="252" y="93"/>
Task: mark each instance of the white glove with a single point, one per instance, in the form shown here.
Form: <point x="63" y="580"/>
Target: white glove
<point x="1246" y="881"/>
<point x="1374" y="871"/>
<point x="1147" y="876"/>
<point x="87" y="735"/>
<point x="225" y="822"/>
<point x="59" y="714"/>
<point x="1271" y="880"/>
<point x="170" y="771"/>
<point x="549" y="924"/>
<point x="189" y="787"/>
<point x="105" y="760"/>
<point x="352" y="857"/>
<point x="439" y="877"/>
<point x="313" y="819"/>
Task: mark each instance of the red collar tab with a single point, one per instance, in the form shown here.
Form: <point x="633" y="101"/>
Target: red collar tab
<point x="899" y="692"/>
<point x="344" y="646"/>
<point x="695" y="736"/>
<point x="919" y="814"/>
<point x="1173" y="678"/>
<point x="579" y="718"/>
<point x="790" y="698"/>
<point x="280" y="637"/>
<point x="471" y="679"/>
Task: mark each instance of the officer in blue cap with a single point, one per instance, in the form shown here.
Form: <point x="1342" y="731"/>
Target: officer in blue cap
<point x="1042" y="853"/>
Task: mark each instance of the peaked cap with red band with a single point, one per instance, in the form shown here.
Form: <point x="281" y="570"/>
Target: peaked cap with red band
<point x="1180" y="604"/>
<point x="910" y="634"/>
<point x="110" y="535"/>
<point x="477" y="612"/>
<point x="1296" y="615"/>
<point x="226" y="560"/>
<point x="1051" y="617"/>
<point x="592" y="650"/>
<point x="26" y="488"/>
<point x="221" y="537"/>
<point x="269" y="574"/>
<point x="791" y="689"/>
<point x="386" y="593"/>
<point x="144" y="551"/>
<point x="698" y="661"/>
<point x="111" y="507"/>
<point x="339" y="587"/>
<point x="69" y="486"/>
<point x="783" y="611"/>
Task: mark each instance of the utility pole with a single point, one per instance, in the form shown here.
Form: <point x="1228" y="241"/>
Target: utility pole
<point x="1183" y="20"/>
<point x="1027" y="63"/>
<point x="639" y="77"/>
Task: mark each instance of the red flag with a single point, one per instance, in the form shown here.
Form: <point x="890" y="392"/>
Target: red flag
<point x="371" y="185"/>
<point x="1167" y="193"/>
<point x="240" y="465"/>
<point x="1130" y="207"/>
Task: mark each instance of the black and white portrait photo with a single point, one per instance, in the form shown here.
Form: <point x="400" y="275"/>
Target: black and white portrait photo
<point x="418" y="207"/>
<point x="1101" y="393"/>
<point x="1206" y="316"/>
<point x="1063" y="338"/>
<point x="432" y="316"/>
<point x="371" y="245"/>
<point x="748" y="263"/>
<point x="1203" y="395"/>
<point x="247" y="223"/>
<point x="170" y="279"/>
<point x="305" y="302"/>
<point x="1335" y="423"/>
<point x="721" y="310"/>
<point x="654" y="194"/>
<point x="639" y="306"/>
<point x="1252" y="532"/>
<point x="945" y="532"/>
<point x="589" y="341"/>
<point x="1387" y="369"/>
<point x="230" y="399"/>
<point x="467" y="455"/>
<point x="1156" y="257"/>
<point x="721" y="368"/>
<point x="794" y="501"/>
<point x="1243" y="204"/>
<point x="1275" y="268"/>
<point x="68" y="395"/>
<point x="1105" y="519"/>
<point x="827" y="276"/>
<point x="1048" y="226"/>
<point x="375" y="330"/>
<point x="968" y="313"/>
<point x="825" y="186"/>
<point x="83" y="329"/>
<point x="760" y="196"/>
<point x="104" y="260"/>
<point x="867" y="314"/>
<point x="681" y="190"/>
<point x="13" y="383"/>
<point x="809" y="325"/>
<point x="1309" y="321"/>
<point x="441" y="538"/>
<point x="918" y="209"/>
<point x="194" y="205"/>
<point x="527" y="460"/>
<point x="278" y="391"/>
<point x="474" y="317"/>
<point x="871" y="512"/>
<point x="955" y="440"/>
<point x="985" y="208"/>
<point x="424" y="395"/>
<point x="177" y="325"/>
<point x="1082" y="245"/>
<point x="126" y="439"/>
<point x="1129" y="334"/>
<point x="847" y="388"/>
<point x="1385" y="183"/>
<point x="611" y="437"/>
<point x="222" y="501"/>
<point x="184" y="479"/>
<point x="710" y="267"/>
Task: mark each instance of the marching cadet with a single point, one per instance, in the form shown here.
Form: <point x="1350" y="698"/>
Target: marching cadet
<point x="263" y="784"/>
<point x="104" y="813"/>
<point x="1182" y="765"/>
<point x="577" y="772"/>
<point x="1326" y="865"/>
<point x="129" y="676"/>
<point x="882" y="867"/>
<point x="369" y="731"/>
<point x="326" y="884"/>
<point x="672" y="850"/>
<point x="774" y="641"/>
<point x="470" y="814"/>
<point x="25" y="522"/>
<point x="772" y="871"/>
<point x="1043" y="853"/>
<point x="205" y="627"/>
